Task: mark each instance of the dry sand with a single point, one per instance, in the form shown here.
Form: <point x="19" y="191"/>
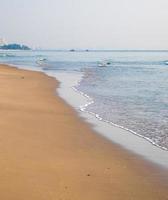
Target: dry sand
<point x="48" y="153"/>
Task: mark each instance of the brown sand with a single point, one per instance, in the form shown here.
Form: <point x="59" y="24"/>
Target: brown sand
<point x="48" y="153"/>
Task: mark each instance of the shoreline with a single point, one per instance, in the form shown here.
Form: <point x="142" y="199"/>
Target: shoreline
<point x="44" y="156"/>
<point x="136" y="144"/>
<point x="96" y="115"/>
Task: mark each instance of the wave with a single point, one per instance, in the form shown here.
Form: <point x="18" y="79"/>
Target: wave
<point x="83" y="108"/>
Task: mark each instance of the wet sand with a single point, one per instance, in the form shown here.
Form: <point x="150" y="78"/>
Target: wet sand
<point x="48" y="153"/>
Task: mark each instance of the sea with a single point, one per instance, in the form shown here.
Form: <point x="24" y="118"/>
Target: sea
<point x="130" y="92"/>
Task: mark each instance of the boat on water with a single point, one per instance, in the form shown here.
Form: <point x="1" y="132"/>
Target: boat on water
<point x="41" y="61"/>
<point x="104" y="64"/>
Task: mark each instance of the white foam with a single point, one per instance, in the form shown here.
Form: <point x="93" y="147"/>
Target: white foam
<point x="91" y="101"/>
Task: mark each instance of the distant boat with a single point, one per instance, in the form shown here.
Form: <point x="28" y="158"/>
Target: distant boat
<point x="72" y="50"/>
<point x="41" y="61"/>
<point x="104" y="64"/>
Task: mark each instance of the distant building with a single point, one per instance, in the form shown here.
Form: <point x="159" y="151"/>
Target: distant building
<point x="2" y="42"/>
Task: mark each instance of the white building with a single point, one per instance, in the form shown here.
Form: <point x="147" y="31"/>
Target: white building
<point x="2" y="42"/>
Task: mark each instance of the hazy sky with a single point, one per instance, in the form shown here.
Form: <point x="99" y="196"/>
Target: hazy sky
<point x="112" y="24"/>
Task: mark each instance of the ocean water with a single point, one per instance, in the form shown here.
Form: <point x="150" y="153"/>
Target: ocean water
<point x="131" y="92"/>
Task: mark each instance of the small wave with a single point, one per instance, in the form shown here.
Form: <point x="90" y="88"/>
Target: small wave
<point x="91" y="101"/>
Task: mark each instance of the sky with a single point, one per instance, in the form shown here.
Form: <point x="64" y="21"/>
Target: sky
<point x="91" y="24"/>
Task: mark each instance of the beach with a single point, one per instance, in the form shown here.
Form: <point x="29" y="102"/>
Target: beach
<point x="48" y="152"/>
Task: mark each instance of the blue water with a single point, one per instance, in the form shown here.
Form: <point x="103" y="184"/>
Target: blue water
<point x="131" y="92"/>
